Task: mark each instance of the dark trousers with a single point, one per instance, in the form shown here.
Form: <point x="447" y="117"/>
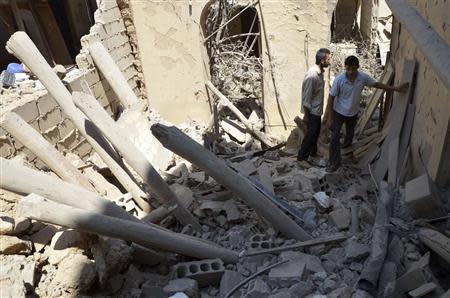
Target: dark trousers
<point x="335" y="144"/>
<point x="309" y="144"/>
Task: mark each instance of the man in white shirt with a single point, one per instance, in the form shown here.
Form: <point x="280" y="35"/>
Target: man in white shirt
<point x="343" y="106"/>
<point x="312" y="104"/>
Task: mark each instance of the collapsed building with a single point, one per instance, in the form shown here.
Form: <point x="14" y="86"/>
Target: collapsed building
<point x="148" y="150"/>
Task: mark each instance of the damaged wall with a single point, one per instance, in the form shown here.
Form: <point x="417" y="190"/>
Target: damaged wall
<point x="293" y="32"/>
<point x="42" y="112"/>
<point x="175" y="62"/>
<point x="173" y="58"/>
<point x="431" y="130"/>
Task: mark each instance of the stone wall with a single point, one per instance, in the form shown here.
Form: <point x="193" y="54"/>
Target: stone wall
<point x="430" y="135"/>
<point x="41" y="110"/>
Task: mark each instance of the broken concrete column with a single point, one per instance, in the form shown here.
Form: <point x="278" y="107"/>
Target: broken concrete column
<point x="22" y="179"/>
<point x="368" y="279"/>
<point x="38" y="208"/>
<point x="36" y="143"/>
<point x="178" y="142"/>
<point x="134" y="157"/>
<point x="21" y="46"/>
<point x="226" y="102"/>
<point x="112" y="73"/>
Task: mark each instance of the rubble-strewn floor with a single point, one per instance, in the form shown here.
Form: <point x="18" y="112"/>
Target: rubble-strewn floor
<point x="50" y="261"/>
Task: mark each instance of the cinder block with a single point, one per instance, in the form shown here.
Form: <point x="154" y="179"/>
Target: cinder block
<point x="82" y="149"/>
<point x="205" y="272"/>
<point x="28" y="111"/>
<point x="52" y="135"/>
<point x="65" y="128"/>
<point x="46" y="104"/>
<point x="422" y="198"/>
<point x="260" y="241"/>
<point x="50" y="119"/>
<point x="69" y="141"/>
<point x="411" y="280"/>
<point x="287" y="274"/>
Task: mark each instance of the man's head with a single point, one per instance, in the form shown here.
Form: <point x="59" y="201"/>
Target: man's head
<point x="351" y="66"/>
<point x="323" y="57"/>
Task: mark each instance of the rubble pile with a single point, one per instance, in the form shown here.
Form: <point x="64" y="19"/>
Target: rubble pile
<point x="161" y="211"/>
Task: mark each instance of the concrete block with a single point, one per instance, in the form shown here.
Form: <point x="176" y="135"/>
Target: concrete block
<point x="312" y="263"/>
<point x="341" y="218"/>
<point x="205" y="272"/>
<point x="366" y="213"/>
<point x="28" y="111"/>
<point x="68" y="141"/>
<point x="82" y="148"/>
<point x="184" y="285"/>
<point x="52" y="135"/>
<point x="46" y="104"/>
<point x="355" y="251"/>
<point x="422" y="198"/>
<point x="260" y="241"/>
<point x="43" y="237"/>
<point x="50" y="119"/>
<point x="287" y="274"/>
<point x="65" y="128"/>
<point x="258" y="289"/>
<point x="152" y="291"/>
<point x="228" y="281"/>
<point x="412" y="279"/>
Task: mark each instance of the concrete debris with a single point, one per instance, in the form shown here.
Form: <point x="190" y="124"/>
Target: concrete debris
<point x="341" y="218"/>
<point x="185" y="285"/>
<point x="43" y="237"/>
<point x="17" y="275"/>
<point x="10" y="245"/>
<point x="206" y="272"/>
<point x="6" y="225"/>
<point x="286" y="275"/>
<point x="322" y="199"/>
<point x="258" y="288"/>
<point x="355" y="251"/>
<point x="422" y="290"/>
<point x="228" y="281"/>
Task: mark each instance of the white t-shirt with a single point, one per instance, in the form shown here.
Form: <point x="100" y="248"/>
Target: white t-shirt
<point x="347" y="94"/>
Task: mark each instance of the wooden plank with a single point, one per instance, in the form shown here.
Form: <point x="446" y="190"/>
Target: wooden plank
<point x="405" y="136"/>
<point x="52" y="33"/>
<point x="393" y="161"/>
<point x="386" y="78"/>
<point x="397" y="116"/>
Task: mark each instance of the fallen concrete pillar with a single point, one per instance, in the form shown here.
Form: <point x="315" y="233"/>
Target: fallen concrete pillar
<point x="38" y="208"/>
<point x="178" y="142"/>
<point x="368" y="279"/>
<point x="118" y="137"/>
<point x="22" y="179"/>
<point x="226" y="102"/>
<point x="36" y="143"/>
<point x="112" y="73"/>
<point x="21" y="46"/>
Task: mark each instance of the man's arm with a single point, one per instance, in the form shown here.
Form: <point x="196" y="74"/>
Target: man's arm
<point x="400" y="88"/>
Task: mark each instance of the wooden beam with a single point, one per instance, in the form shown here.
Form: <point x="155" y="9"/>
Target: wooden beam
<point x="374" y="100"/>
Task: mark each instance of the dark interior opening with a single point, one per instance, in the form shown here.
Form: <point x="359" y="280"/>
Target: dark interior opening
<point x="246" y="28"/>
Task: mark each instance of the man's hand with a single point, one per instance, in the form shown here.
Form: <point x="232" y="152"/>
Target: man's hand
<point x="403" y="88"/>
